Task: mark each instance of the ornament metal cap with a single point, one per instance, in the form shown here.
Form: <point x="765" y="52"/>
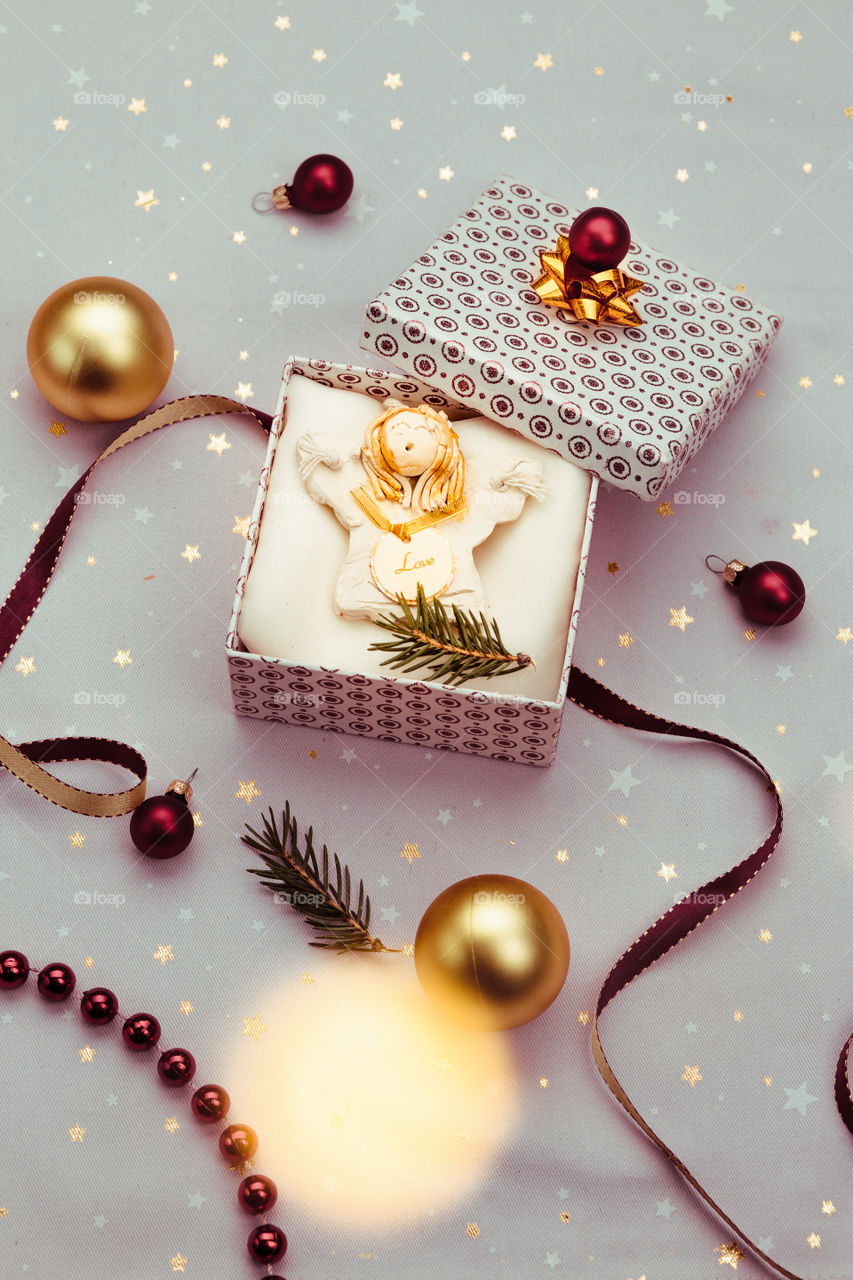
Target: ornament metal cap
<point x="181" y="787"/>
<point x="730" y="572"/>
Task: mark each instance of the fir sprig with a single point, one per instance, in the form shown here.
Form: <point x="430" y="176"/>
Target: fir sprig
<point x="464" y="647"/>
<point x="304" y="884"/>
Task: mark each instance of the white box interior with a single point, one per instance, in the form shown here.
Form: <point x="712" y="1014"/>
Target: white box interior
<point x="528" y="568"/>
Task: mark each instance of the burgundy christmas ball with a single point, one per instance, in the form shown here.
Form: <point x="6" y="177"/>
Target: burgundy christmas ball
<point x="210" y="1103"/>
<point x="56" y="982"/>
<point x="14" y="969"/>
<point x="599" y="239"/>
<point x="141" y="1031"/>
<point x="176" y="1067"/>
<point x="238" y="1142"/>
<point x="257" y="1193"/>
<point x="771" y="593"/>
<point x="321" y="184"/>
<point x="99" y="1006"/>
<point x="162" y="826"/>
<point x="267" y="1243"/>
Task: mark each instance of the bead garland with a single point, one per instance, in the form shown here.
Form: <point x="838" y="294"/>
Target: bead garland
<point x="256" y="1194"/>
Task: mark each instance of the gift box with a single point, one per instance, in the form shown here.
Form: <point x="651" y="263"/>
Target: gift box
<point x="292" y="659"/>
<point x="631" y="404"/>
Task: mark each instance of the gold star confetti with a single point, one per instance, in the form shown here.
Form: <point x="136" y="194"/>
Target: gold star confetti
<point x="543" y="1082"/>
<point x="312" y="754"/>
<point x="584" y="1018"/>
<point x="544" y="61"/>
<point x="88" y="962"/>
<point x="224" y="122"/>
<point x="145" y="200"/>
<point x="393" y="80"/>
<point x="681" y="175"/>
<point x="622" y="820"/>
<point x="137" y="106"/>
<point x="4" y="1212"/>
<point x="600" y="661"/>
<point x="565" y="1216"/>
<point x="664" y="510"/>
<point x="87" y="1053"/>
<point x="173" y="275"/>
<point x="795" y="37"/>
<point x="781" y="728"/>
<point x="76" y="839"/>
<point x="307" y="979"/>
<point x="319" y="55"/>
<point x="679" y="618"/>
<point x="254" y="1027"/>
<point x="219" y="60"/>
<point x="737" y="1015"/>
<point x="626" y="640"/>
<point x="60" y="124"/>
<point x="805" y="382"/>
<point x="828" y="1208"/>
<point x="171" y="1125"/>
<point x="246" y="791"/>
<point x="848" y="111"/>
<point x="91" y="560"/>
<point x="844" y="635"/>
<point x="839" y="379"/>
<point x="692" y="1075"/>
<point x="122" y="658"/>
<point x="443" y="1065"/>
<point x="599" y="71"/>
<point x="197" y="819"/>
<point x="701" y="126"/>
<point x="163" y="954"/>
<point x="422" y="193"/>
<point x="408" y="949"/>
<point x="294" y="231"/>
<point x="396" y="124"/>
<point x="185" y="1007"/>
<point x="508" y="132"/>
<point x="472" y="1230"/>
<point x="244" y="391"/>
<point x="729" y="1254"/>
<point x="612" y="567"/>
<point x="410" y="852"/>
<point x="179" y="1262"/>
<point x="768" y="1080"/>
<point x="749" y="633"/>
<point x="14" y="393"/>
<point x="76" y="1134"/>
<point x="445" y="173"/>
<point x="765" y="936"/>
<point x="239" y="237"/>
<point x="206" y="165"/>
<point x="282" y="22"/>
<point x="241" y="525"/>
<point x="217" y="444"/>
<point x="803" y="532"/>
<point x="337" y="1121"/>
<point x="57" y="429"/>
<point x="668" y="872"/>
<point x="187" y="84"/>
<point x="740" y="288"/>
<point x="591" y="193"/>
<point x="813" y="1240"/>
<point x="190" y="553"/>
<point x="244" y="355"/>
<point x="26" y="666"/>
<point x="562" y="855"/>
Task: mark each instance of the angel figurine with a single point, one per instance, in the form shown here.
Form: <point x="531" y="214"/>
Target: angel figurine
<point x="421" y="512"/>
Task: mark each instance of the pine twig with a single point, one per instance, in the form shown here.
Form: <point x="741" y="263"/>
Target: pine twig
<point x="464" y="647"/>
<point x="304" y="884"/>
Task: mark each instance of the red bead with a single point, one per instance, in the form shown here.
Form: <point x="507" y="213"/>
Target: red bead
<point x="267" y="1243"/>
<point x="162" y="826"/>
<point x="210" y="1103"/>
<point x="771" y="593"/>
<point x="14" y="969"/>
<point x="599" y="239"/>
<point x="257" y="1193"/>
<point x="56" y="982"/>
<point x="321" y="184"/>
<point x="99" y="1006"/>
<point x="238" y="1142"/>
<point x="176" y="1066"/>
<point x="141" y="1031"/>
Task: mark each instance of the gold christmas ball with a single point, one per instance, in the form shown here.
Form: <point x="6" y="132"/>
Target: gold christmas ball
<point x="492" y="951"/>
<point x="100" y="349"/>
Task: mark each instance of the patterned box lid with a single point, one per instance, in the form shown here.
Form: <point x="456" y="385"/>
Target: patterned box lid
<point x="631" y="404"/>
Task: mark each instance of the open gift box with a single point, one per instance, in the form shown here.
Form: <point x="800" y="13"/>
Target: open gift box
<point x="292" y="658"/>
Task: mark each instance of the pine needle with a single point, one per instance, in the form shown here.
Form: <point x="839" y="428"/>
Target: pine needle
<point x="298" y="879"/>
<point x="464" y="647"/>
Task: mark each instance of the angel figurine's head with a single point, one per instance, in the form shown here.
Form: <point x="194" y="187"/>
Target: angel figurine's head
<point x="412" y="456"/>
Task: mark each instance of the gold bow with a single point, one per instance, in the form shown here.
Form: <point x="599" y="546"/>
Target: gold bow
<point x="601" y="297"/>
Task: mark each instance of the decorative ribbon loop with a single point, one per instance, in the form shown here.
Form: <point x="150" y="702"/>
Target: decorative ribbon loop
<point x="600" y="297"/>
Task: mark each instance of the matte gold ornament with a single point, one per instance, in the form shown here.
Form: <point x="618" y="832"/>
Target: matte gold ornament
<point x="492" y="951"/>
<point x="100" y="349"/>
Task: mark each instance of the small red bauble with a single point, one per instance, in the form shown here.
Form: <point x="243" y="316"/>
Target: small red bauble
<point x="56" y="982"/>
<point x="238" y="1142"/>
<point x="176" y="1066"/>
<point x="771" y="593"/>
<point x="257" y="1193"/>
<point x="14" y="969"/>
<point x="599" y="239"/>
<point x="99" y="1006"/>
<point x="267" y="1243"/>
<point x="210" y="1103"/>
<point x="163" y="826"/>
<point x="321" y="184"/>
<point x="140" y="1032"/>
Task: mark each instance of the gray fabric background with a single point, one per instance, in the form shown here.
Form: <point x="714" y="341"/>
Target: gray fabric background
<point x="131" y="1196"/>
